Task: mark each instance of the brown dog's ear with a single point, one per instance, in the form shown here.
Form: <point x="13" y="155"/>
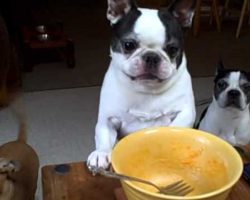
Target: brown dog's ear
<point x="183" y="11"/>
<point x="118" y="8"/>
<point x="7" y="166"/>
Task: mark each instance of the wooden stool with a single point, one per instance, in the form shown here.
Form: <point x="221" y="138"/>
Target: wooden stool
<point x="36" y="42"/>
<point x="213" y="14"/>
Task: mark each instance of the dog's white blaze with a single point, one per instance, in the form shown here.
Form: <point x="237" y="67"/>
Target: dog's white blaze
<point x="149" y="20"/>
<point x="234" y="79"/>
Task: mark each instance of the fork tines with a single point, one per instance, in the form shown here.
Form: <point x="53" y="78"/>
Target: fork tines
<point x="179" y="188"/>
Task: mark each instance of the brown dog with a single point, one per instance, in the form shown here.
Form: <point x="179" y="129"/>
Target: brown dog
<point x="19" y="167"/>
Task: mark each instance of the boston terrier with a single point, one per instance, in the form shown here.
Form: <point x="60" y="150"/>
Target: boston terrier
<point x="228" y="115"/>
<point x="147" y="83"/>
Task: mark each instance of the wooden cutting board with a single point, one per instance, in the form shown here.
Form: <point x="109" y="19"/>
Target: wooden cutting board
<point x="74" y="182"/>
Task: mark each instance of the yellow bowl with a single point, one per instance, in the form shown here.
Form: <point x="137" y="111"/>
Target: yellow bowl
<point x="164" y="155"/>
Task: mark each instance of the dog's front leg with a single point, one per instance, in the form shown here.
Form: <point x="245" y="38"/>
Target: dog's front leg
<point x="185" y="118"/>
<point x="105" y="139"/>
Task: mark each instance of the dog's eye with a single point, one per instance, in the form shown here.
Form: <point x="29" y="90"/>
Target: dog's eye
<point x="246" y="86"/>
<point x="172" y="51"/>
<point x="129" y="45"/>
<point x="222" y="85"/>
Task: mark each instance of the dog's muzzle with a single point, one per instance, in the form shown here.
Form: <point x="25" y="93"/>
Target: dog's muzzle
<point x="152" y="60"/>
<point x="234" y="98"/>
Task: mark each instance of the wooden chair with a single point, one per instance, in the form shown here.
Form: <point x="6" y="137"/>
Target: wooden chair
<point x="214" y="14"/>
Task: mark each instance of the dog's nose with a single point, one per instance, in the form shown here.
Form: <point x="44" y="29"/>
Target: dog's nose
<point x="234" y="93"/>
<point x="151" y="59"/>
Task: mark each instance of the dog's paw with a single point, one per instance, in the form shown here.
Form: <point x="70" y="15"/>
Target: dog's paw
<point x="7" y="165"/>
<point x="99" y="159"/>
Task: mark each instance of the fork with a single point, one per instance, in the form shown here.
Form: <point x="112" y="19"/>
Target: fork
<point x="178" y="188"/>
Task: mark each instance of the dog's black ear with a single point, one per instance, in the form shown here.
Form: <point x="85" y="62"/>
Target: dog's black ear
<point x="119" y="8"/>
<point x="183" y="11"/>
<point x="220" y="67"/>
<point x="248" y="76"/>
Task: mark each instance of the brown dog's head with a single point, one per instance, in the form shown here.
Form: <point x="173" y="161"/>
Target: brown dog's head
<point x="8" y="166"/>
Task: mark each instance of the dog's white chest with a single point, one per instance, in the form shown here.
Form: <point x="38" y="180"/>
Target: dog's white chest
<point x="227" y="125"/>
<point x="134" y="120"/>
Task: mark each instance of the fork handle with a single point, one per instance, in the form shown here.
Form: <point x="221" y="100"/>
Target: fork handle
<point x="124" y="177"/>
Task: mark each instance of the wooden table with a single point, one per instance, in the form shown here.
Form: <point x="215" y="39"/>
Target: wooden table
<point x="79" y="184"/>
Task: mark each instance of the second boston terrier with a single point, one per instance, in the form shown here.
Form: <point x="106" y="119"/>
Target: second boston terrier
<point x="228" y="115"/>
<point x="147" y="83"/>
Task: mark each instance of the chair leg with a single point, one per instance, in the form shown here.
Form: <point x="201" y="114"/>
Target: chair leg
<point x="197" y="16"/>
<point x="216" y="14"/>
<point x="226" y="5"/>
<point x="225" y="10"/>
<point x="243" y="10"/>
<point x="248" y="7"/>
<point x="211" y="15"/>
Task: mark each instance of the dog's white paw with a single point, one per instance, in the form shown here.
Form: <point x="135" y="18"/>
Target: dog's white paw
<point x="99" y="159"/>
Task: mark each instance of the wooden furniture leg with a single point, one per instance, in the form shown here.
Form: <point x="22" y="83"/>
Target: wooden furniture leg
<point x="216" y="14"/>
<point x="197" y="17"/>
<point x="248" y="12"/>
<point x="226" y="5"/>
<point x="243" y="11"/>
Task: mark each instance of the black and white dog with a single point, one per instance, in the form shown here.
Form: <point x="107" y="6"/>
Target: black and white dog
<point x="228" y="115"/>
<point x="147" y="83"/>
